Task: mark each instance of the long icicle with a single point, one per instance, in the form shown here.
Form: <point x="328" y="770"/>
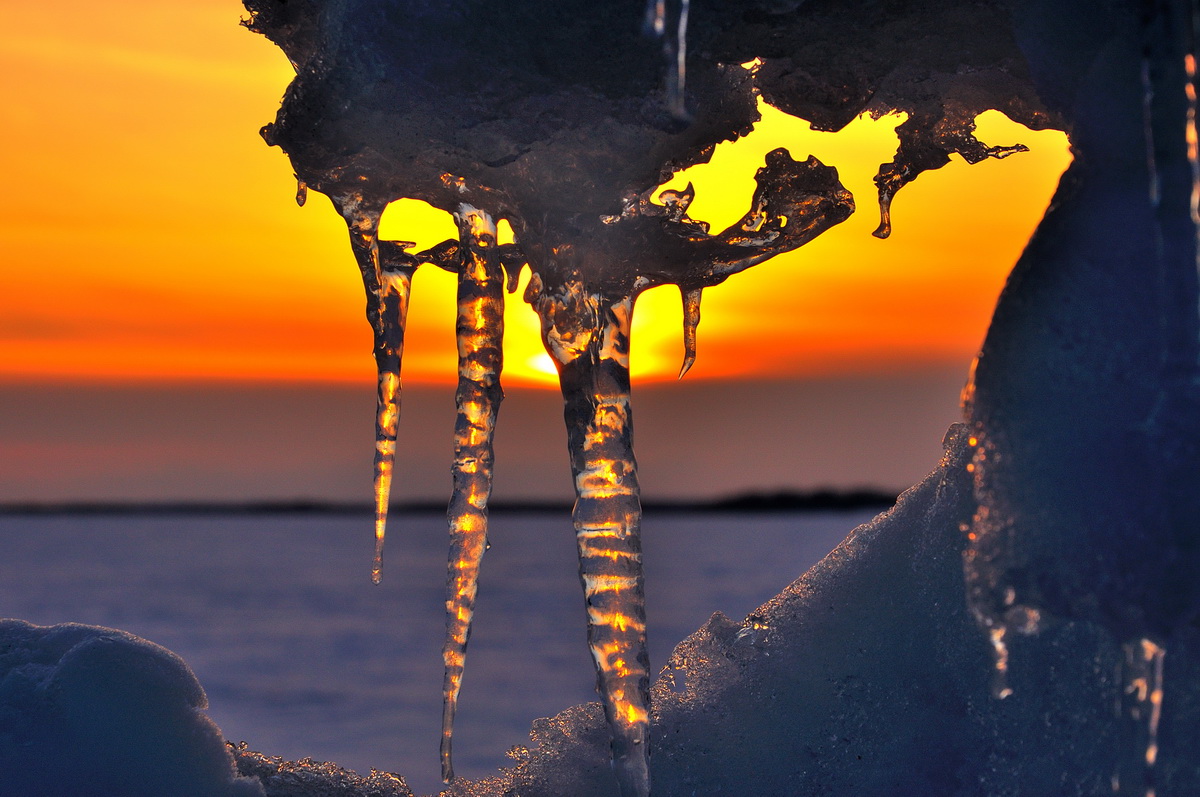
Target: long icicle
<point x="387" y="280"/>
<point x="396" y="272"/>
<point x="480" y="332"/>
<point x="588" y="337"/>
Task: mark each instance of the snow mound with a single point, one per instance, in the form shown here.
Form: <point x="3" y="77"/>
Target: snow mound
<point x="93" y="711"/>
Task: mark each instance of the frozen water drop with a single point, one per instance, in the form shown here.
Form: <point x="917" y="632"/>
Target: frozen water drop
<point x="691" y="320"/>
<point x="885" y="214"/>
<point x="513" y="260"/>
<point x="480" y="332"/>
<point x="301" y="192"/>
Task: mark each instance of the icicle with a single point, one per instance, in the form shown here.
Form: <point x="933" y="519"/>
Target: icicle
<point x="1140" y="709"/>
<point x="480" y="332"/>
<point x="675" y="51"/>
<point x="676" y="87"/>
<point x="396" y="270"/>
<point x="363" y="221"/>
<point x="301" y="192"/>
<point x="387" y="285"/>
<point x="587" y="335"/>
<point x="691" y="320"/>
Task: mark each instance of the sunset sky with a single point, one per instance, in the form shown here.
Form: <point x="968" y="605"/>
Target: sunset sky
<point x="151" y="251"/>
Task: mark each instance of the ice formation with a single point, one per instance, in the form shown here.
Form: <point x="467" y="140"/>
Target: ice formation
<point x="1070" y="492"/>
<point x="480" y="330"/>
<point x="94" y="712"/>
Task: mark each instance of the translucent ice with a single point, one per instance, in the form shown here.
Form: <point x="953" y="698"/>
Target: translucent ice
<point x="588" y="337"/>
<point x="480" y="332"/>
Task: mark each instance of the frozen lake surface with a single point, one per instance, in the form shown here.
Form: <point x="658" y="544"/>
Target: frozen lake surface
<point x="302" y="656"/>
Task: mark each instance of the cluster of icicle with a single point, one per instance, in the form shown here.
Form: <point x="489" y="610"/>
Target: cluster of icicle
<point x="586" y="332"/>
<point x="589" y="340"/>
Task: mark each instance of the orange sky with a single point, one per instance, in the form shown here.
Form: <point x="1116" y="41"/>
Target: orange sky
<point x="147" y="232"/>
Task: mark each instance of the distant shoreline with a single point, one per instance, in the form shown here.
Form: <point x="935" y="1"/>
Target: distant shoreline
<point x="774" y="502"/>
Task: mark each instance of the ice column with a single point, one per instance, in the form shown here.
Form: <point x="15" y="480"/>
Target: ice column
<point x="480" y="333"/>
<point x="587" y="335"/>
<point x="674" y="50"/>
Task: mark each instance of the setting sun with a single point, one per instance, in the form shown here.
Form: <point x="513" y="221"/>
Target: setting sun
<point x="165" y="245"/>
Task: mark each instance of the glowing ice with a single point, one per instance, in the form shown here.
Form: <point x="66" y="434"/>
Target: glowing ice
<point x="588" y="338"/>
<point x="387" y="287"/>
<point x="480" y="332"/>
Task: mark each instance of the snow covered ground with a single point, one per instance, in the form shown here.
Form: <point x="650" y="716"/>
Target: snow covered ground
<point x="301" y="656"/>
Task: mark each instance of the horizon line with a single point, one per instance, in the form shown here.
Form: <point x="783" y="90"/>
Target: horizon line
<point x="750" y="502"/>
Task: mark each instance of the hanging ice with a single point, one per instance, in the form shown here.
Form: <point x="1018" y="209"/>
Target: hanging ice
<point x="674" y="50"/>
<point x="387" y="281"/>
<point x="480" y="333"/>
<point x="587" y="335"/>
<point x="586" y="312"/>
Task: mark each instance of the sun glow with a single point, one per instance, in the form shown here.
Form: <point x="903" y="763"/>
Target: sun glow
<point x="186" y="258"/>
